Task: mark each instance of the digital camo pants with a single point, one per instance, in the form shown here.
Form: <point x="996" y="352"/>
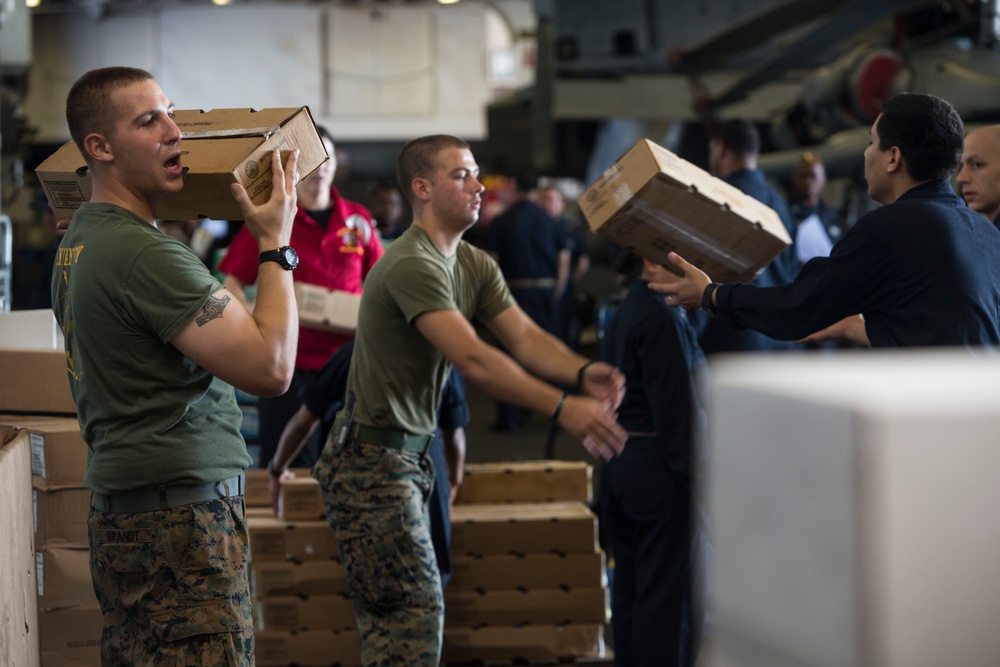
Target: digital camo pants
<point x="376" y="501"/>
<point x="173" y="585"/>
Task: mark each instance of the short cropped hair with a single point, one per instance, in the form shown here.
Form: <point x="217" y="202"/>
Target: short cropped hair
<point x="928" y="132"/>
<point x="416" y="159"/>
<point x="738" y="135"/>
<point x="88" y="109"/>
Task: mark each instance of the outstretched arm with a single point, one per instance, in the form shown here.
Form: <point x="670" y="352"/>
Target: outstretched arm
<point x="686" y="290"/>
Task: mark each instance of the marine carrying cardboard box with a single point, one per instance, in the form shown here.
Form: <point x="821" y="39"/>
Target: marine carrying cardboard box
<point x="654" y="202"/>
<point x="219" y="147"/>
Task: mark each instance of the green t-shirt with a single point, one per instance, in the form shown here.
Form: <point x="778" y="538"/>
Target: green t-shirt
<point x="121" y="290"/>
<point x="396" y="374"/>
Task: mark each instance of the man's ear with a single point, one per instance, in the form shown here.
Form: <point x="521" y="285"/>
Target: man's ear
<point x="421" y="189"/>
<point x="97" y="146"/>
<point x="895" y="160"/>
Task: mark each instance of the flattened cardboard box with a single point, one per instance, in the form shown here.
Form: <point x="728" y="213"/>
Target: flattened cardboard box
<point x="526" y="482"/>
<point x="61" y="517"/>
<point x="484" y="530"/>
<point x="328" y="310"/>
<point x="273" y="539"/>
<point x="71" y="637"/>
<point x="528" y="644"/>
<point x="312" y="648"/>
<point x="655" y="202"/>
<point x="219" y="147"/>
<point x="18" y="627"/>
<point x="35" y="381"/>
<point x="554" y="606"/>
<point x="311" y="577"/>
<point x="528" y="571"/>
<point x="316" y="612"/>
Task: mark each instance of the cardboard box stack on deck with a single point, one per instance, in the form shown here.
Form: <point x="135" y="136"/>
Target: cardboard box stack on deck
<point x="35" y="398"/>
<point x="654" y="202"/>
<point x="529" y="582"/>
<point x="304" y="614"/>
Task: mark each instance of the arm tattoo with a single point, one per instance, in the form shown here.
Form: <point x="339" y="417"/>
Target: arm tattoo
<point x="212" y="309"/>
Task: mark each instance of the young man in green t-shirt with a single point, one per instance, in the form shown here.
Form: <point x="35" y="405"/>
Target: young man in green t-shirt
<point x="153" y="343"/>
<point x="414" y="325"/>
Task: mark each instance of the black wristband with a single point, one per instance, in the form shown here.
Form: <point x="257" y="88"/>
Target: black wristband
<point x="706" y="298"/>
<point x="562" y="402"/>
<point x="579" y="374"/>
<point x="272" y="471"/>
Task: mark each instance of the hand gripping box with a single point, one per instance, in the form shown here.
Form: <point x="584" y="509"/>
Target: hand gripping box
<point x="219" y="147"/>
<point x="654" y="202"/>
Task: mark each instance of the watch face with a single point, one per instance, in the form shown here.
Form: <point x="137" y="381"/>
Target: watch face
<point x="291" y="257"/>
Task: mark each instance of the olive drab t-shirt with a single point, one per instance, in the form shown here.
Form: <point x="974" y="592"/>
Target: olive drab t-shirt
<point x="121" y="290"/>
<point x="396" y="374"/>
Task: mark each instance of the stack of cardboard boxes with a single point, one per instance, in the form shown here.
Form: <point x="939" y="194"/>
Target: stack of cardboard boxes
<point x="529" y="581"/>
<point x="35" y="398"/>
<point x="304" y="614"/>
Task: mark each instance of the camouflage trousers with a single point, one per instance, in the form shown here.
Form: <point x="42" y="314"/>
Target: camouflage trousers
<point x="173" y="585"/>
<point x="376" y="501"/>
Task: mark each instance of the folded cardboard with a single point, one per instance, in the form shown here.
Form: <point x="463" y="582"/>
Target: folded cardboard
<point x="523" y="528"/>
<point x="18" y="628"/>
<point x="64" y="578"/>
<point x="311" y="577"/>
<point x="311" y="648"/>
<point x="654" y="202"/>
<point x="71" y="637"/>
<point x="273" y="539"/>
<point x="553" y="606"/>
<point x="316" y="612"/>
<point x="329" y="310"/>
<point x="35" y="381"/>
<point x="30" y="329"/>
<point x="61" y="517"/>
<point x="527" y="644"/>
<point x="219" y="147"/>
<point x="58" y="452"/>
<point x="526" y="482"/>
<point x="299" y="499"/>
<point x="528" y="571"/>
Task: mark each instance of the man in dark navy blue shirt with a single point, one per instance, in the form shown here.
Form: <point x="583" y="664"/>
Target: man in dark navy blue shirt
<point x="922" y="270"/>
<point x="325" y="395"/>
<point x="979" y="175"/>
<point x="733" y="152"/>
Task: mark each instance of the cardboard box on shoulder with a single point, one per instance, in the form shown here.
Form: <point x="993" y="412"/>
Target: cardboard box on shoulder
<point x="273" y="539"/>
<point x="526" y="482"/>
<point x="17" y="565"/>
<point x="35" y="381"/>
<point x="525" y="528"/>
<point x="654" y="202"/>
<point x="526" y="644"/>
<point x="219" y="147"/>
<point x="329" y="310"/>
<point x="312" y="648"/>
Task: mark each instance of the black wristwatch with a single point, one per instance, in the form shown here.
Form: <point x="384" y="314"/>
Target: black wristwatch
<point x="285" y="256"/>
<point x="706" y="298"/>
